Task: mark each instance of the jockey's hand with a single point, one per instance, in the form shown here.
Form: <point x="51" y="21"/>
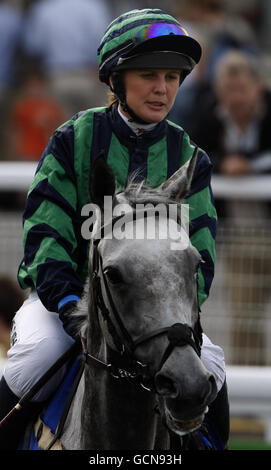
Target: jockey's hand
<point x="71" y="320"/>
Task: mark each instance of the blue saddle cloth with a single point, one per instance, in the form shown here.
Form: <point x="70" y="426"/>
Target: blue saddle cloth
<point x="51" y="416"/>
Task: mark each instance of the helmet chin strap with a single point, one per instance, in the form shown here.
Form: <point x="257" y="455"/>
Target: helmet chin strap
<point x="132" y="114"/>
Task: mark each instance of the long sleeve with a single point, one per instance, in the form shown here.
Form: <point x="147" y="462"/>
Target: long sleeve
<point x="52" y="225"/>
<point x="203" y="220"/>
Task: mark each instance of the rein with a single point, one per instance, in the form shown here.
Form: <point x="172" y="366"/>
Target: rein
<point x="125" y="365"/>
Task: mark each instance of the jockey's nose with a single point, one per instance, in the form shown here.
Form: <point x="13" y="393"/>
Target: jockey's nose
<point x="160" y="85"/>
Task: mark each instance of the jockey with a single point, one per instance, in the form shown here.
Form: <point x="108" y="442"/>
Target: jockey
<point x="143" y="57"/>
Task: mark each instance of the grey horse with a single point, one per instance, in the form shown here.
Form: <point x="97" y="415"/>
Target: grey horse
<point x="146" y="302"/>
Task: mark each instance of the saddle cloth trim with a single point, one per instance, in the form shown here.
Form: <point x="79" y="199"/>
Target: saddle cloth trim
<point x="44" y="436"/>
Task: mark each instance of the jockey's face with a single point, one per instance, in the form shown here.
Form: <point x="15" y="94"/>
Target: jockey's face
<point x="151" y="93"/>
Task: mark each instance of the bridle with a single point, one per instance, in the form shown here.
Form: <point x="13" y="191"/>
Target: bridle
<point x="124" y="363"/>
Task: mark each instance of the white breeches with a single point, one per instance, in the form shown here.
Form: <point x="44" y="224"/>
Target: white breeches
<point x="38" y="340"/>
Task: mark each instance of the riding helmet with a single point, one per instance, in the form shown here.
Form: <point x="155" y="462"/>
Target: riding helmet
<point x="148" y="38"/>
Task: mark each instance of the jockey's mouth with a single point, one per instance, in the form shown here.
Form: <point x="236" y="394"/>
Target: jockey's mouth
<point x="156" y="104"/>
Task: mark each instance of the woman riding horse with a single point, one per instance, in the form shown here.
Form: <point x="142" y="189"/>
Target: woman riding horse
<point x="143" y="57"/>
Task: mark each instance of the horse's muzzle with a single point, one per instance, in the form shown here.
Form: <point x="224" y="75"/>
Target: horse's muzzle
<point x="184" y="395"/>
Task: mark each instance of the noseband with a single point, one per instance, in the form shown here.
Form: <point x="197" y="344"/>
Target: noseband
<point x="125" y="364"/>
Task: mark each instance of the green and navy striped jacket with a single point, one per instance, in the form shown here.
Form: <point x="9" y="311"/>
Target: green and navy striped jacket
<point x="55" y="254"/>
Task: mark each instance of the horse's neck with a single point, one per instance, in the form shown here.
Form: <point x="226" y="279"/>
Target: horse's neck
<point x="117" y="414"/>
<point x="71" y="438"/>
<point x="109" y="413"/>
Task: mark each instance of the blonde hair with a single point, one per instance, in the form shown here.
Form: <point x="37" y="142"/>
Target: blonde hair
<point x="111" y="98"/>
<point x="235" y="63"/>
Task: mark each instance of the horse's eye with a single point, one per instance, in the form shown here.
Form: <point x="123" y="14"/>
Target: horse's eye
<point x="113" y="275"/>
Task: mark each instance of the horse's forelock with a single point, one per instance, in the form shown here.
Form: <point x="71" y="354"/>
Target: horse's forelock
<point x="140" y="193"/>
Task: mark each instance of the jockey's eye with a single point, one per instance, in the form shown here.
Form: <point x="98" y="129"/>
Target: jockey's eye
<point x="113" y="275"/>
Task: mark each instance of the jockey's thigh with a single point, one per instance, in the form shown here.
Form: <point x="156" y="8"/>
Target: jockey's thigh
<point x="212" y="357"/>
<point x="38" y="340"/>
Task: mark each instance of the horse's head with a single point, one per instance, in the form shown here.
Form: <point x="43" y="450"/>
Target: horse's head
<point x="144" y="285"/>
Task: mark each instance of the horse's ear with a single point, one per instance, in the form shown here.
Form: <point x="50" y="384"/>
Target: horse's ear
<point x="178" y="185"/>
<point x="101" y="181"/>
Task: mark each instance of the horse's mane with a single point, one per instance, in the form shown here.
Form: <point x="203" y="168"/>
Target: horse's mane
<point x="140" y="193"/>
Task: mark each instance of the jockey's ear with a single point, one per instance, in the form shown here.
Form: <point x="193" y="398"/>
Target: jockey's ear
<point x="101" y="181"/>
<point x="178" y="185"/>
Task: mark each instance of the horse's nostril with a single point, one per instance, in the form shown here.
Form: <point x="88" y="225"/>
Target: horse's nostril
<point x="165" y="386"/>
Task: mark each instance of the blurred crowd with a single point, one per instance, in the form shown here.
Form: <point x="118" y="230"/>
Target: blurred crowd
<point x="48" y="72"/>
<point x="225" y="104"/>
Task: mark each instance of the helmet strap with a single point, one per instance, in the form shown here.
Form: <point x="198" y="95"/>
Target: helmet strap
<point x="133" y="115"/>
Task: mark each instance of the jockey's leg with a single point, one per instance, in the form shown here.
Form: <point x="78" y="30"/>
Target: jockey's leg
<point x="217" y="417"/>
<point x="38" y="340"/>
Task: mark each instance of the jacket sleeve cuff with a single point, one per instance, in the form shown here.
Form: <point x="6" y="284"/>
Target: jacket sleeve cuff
<point x="66" y="300"/>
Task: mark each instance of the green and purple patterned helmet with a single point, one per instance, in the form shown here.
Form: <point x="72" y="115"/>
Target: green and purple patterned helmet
<point x="147" y="38"/>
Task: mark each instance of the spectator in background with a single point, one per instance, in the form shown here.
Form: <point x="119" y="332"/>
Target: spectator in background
<point x="33" y="116"/>
<point x="11" y="299"/>
<point x="64" y="34"/>
<point x="218" y="32"/>
<point x="235" y="130"/>
<point x="10" y="29"/>
<point x="235" y="125"/>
